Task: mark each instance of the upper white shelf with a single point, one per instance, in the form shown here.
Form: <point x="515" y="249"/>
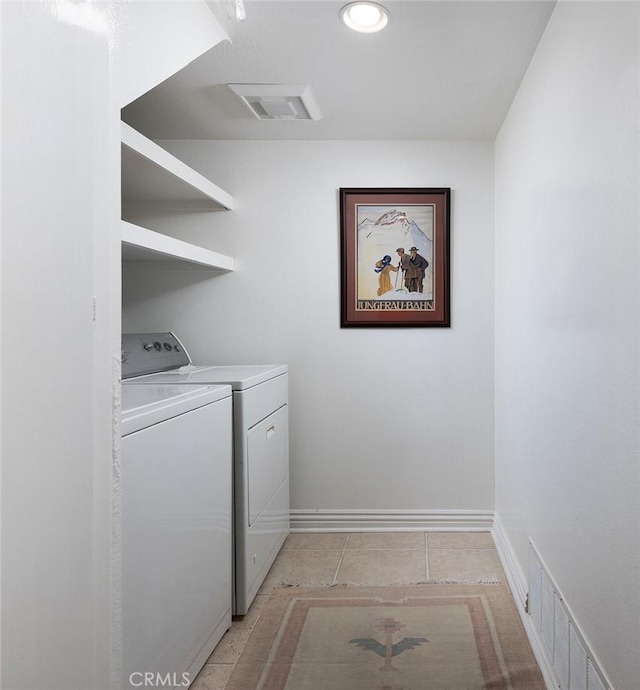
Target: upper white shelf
<point x="141" y="244"/>
<point x="153" y="176"/>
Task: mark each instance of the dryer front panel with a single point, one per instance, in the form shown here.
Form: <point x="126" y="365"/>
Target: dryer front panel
<point x="267" y="461"/>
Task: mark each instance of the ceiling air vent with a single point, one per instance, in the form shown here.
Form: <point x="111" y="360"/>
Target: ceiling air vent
<point x="278" y="101"/>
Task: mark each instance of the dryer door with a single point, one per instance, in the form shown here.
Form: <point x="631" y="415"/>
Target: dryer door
<point x="267" y="460"/>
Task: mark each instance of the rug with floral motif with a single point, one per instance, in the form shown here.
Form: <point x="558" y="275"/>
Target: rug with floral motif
<point x="424" y="637"/>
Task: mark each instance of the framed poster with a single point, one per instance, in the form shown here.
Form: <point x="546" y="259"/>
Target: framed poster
<point x="395" y="257"/>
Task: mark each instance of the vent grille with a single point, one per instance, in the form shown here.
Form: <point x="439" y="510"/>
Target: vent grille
<point x="278" y="102"/>
<point x="563" y="645"/>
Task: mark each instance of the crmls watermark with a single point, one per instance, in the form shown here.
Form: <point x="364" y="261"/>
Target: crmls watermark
<point x="159" y="680"/>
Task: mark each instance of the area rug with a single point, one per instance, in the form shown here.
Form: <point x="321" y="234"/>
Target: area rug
<point x="424" y="637"/>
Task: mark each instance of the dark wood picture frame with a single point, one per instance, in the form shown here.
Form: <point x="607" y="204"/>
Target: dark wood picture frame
<point x="395" y="257"/>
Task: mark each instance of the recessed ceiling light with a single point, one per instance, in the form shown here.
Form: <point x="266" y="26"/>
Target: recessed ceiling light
<point x="366" y="17"/>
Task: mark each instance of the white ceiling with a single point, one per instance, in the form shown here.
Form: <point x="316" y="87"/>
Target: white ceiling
<point x="440" y="70"/>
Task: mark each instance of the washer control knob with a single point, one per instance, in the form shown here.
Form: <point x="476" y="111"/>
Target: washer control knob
<point x="147" y="346"/>
<point x="158" y="346"/>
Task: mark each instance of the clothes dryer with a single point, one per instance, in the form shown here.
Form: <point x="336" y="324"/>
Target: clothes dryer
<point x="261" y="446"/>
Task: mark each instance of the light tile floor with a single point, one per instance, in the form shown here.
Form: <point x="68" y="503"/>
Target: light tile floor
<point x="390" y="558"/>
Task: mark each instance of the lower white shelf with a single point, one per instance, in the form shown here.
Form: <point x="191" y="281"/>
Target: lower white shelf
<point x="141" y="244"/>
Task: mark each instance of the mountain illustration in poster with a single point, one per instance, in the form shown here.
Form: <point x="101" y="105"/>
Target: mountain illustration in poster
<point x="382" y="230"/>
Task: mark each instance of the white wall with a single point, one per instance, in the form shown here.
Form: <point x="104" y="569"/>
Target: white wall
<point x="66" y="68"/>
<point x="567" y="309"/>
<point x="150" y="41"/>
<point x="381" y="419"/>
<point x="59" y="219"/>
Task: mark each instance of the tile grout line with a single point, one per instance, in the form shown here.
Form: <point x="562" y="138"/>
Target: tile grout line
<point x="344" y="549"/>
<point x="426" y="555"/>
<point x="383" y="548"/>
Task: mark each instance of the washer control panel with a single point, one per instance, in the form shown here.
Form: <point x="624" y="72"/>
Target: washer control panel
<point x="150" y="353"/>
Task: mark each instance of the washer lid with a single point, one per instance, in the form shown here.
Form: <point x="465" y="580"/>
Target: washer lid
<point x="238" y="376"/>
<point x="144" y="406"/>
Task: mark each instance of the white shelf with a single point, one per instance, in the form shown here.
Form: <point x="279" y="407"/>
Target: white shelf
<point x="152" y="177"/>
<point x="141" y="244"/>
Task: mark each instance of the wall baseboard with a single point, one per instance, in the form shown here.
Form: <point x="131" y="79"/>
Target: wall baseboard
<point x="515" y="574"/>
<point x="390" y="520"/>
<point x="518" y="583"/>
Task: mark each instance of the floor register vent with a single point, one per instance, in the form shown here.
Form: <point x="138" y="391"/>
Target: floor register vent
<point x="563" y="644"/>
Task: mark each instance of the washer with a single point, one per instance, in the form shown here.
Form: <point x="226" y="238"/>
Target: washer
<point x="261" y="446"/>
<point x="176" y="474"/>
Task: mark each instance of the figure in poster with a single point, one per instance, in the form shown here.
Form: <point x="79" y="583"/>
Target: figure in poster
<point x="384" y="268"/>
<point x="403" y="264"/>
<point x="414" y="275"/>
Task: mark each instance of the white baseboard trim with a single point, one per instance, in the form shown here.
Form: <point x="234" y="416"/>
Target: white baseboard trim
<point x="515" y="575"/>
<point x="519" y="588"/>
<point x="390" y="520"/>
